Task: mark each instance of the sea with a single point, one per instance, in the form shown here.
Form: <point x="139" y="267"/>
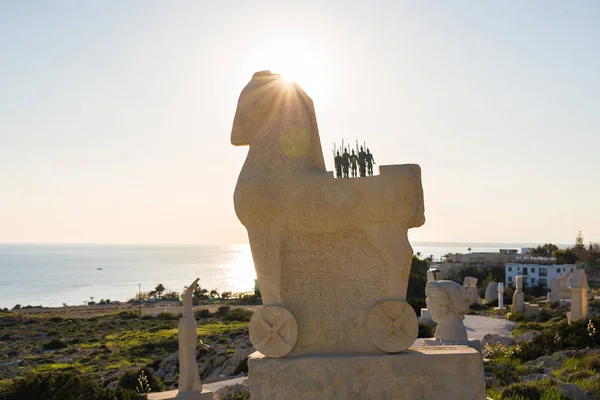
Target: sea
<point x="52" y="275"/>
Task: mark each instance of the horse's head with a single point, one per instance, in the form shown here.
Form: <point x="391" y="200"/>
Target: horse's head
<point x="254" y="106"/>
<point x="273" y="111"/>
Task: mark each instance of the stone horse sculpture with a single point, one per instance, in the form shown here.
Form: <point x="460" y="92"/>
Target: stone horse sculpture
<point x="325" y="250"/>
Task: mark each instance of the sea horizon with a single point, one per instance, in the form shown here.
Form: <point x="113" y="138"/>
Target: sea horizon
<point x="53" y="274"/>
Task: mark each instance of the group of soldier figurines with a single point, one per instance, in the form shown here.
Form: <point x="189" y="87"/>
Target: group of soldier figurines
<point x="352" y="163"/>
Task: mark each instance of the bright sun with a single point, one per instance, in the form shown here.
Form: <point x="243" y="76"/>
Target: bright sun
<point x="296" y="62"/>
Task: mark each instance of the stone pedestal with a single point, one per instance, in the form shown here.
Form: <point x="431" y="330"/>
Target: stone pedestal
<point x="428" y="373"/>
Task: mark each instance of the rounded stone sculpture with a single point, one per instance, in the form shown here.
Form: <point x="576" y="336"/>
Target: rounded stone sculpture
<point x="392" y="325"/>
<point x="189" y="378"/>
<point x="491" y="292"/>
<point x="448" y="303"/>
<point x="273" y="331"/>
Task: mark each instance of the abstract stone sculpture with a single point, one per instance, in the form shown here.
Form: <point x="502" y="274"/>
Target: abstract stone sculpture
<point x="501" y="296"/>
<point x="189" y="379"/>
<point x="554" y="294"/>
<point x="579" y="296"/>
<point x="470" y="285"/>
<point x="448" y="302"/>
<point x="518" y="301"/>
<point x="491" y="292"/>
<point x="332" y="256"/>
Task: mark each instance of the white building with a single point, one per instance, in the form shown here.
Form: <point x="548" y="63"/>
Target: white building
<point x="534" y="274"/>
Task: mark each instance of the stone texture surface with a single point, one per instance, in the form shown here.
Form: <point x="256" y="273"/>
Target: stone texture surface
<point x="328" y="250"/>
<point x="518" y="301"/>
<point x="189" y="378"/>
<point x="491" y="292"/>
<point x="471" y="291"/>
<point x="274" y="331"/>
<point x="438" y="372"/>
<point x="572" y="391"/>
<point x="392" y="325"/>
<point x="448" y="302"/>
<point x="579" y="296"/>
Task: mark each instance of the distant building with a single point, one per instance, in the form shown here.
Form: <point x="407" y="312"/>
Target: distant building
<point x="498" y="259"/>
<point x="534" y="274"/>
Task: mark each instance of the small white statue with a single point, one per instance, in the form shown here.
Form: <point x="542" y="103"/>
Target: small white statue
<point x="491" y="292"/>
<point x="189" y="379"/>
<point x="501" y="296"/>
<point x="448" y="302"/>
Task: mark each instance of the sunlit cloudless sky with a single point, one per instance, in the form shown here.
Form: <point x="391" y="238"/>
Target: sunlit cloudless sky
<point x="115" y="116"/>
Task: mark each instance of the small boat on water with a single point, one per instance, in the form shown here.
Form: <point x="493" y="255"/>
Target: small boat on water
<point x="99" y="269"/>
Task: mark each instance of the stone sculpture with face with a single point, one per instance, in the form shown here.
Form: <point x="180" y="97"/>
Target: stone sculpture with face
<point x="448" y="303"/>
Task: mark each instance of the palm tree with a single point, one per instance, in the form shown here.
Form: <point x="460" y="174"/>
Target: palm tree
<point x="469" y="250"/>
<point x="160" y="289"/>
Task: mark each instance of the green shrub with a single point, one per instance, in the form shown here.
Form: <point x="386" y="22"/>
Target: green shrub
<point x="521" y="391"/>
<point x="223" y="311"/>
<point x="417" y="304"/>
<point x="167" y="316"/>
<point x="544" y="315"/>
<point x="575" y="376"/>
<point x="425" y="330"/>
<point x="239" y="314"/>
<point x="520" y="317"/>
<point x="64" y="385"/>
<point x="593" y="363"/>
<point x="129" y="380"/>
<point x="128" y="315"/>
<point x="55" y="344"/>
<point x="202" y="314"/>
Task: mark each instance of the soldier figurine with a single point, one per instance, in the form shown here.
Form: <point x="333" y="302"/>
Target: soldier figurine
<point x="370" y="162"/>
<point x="353" y="159"/>
<point x="362" y="160"/>
<point x="345" y="162"/>
<point x="338" y="165"/>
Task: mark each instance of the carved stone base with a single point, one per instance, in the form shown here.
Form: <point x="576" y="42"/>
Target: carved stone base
<point x="428" y="373"/>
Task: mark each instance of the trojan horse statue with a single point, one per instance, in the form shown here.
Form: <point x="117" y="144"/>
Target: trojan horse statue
<point x="332" y="256"/>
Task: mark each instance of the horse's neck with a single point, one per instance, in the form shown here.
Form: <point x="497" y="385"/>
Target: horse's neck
<point x="267" y="154"/>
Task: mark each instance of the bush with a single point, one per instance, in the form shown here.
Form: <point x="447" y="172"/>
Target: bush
<point x="522" y="391"/>
<point x="64" y="385"/>
<point x="425" y="330"/>
<point x="55" y="319"/>
<point x="203" y="314"/>
<point x="544" y="315"/>
<point x="593" y="363"/>
<point x="239" y="314"/>
<point x="55" y="344"/>
<point x="129" y="380"/>
<point x="167" y="316"/>
<point x="223" y="311"/>
<point x="128" y="315"/>
<point x="417" y="304"/>
<point x="520" y="317"/>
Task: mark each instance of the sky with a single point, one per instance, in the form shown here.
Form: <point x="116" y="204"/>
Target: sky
<point x="115" y="116"/>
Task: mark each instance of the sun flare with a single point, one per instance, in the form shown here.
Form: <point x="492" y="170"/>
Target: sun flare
<point x="298" y="62"/>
